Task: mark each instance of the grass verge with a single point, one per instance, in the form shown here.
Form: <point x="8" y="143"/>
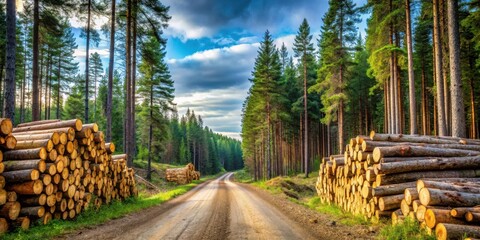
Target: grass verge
<point x="407" y="230"/>
<point x="92" y="217"/>
<point x="310" y="198"/>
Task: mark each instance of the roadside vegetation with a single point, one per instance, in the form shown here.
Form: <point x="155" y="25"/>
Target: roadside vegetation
<point x="147" y="197"/>
<point x="301" y="190"/>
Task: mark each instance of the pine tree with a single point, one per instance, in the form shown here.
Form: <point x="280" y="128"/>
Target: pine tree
<point x="96" y="73"/>
<point x="337" y="38"/>
<point x="156" y="88"/>
<point x="266" y="75"/>
<point x="303" y="48"/>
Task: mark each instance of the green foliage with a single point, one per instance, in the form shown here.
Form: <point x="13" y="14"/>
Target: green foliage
<point x="408" y="230"/>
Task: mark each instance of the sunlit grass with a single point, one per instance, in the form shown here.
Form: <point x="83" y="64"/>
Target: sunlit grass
<point x="407" y="230"/>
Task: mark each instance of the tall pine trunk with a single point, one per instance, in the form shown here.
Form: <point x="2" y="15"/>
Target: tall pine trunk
<point x="9" y="103"/>
<point x="128" y="67"/>
<point x="110" y="75"/>
<point x="411" y="80"/>
<point x="35" y="69"/>
<point x="150" y="136"/>
<point x="269" y="161"/>
<point x="59" y="86"/>
<point x="134" y="77"/>
<point x="86" y="59"/>
<point x="441" y="120"/>
<point x="305" y="118"/>
<point x="456" y="90"/>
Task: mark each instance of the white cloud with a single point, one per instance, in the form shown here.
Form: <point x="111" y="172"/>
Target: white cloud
<point x="96" y="23"/>
<point x="252" y="39"/>
<point x="183" y="29"/>
<point x="81" y="53"/>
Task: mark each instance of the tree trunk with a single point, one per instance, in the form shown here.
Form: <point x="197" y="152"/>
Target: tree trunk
<point x="35" y="89"/>
<point x="150" y="136"/>
<point x="128" y="61"/>
<point x="305" y="118"/>
<point x="425" y="126"/>
<point x="441" y="118"/>
<point x="9" y="103"/>
<point x="134" y="78"/>
<point x="110" y="76"/>
<point x="268" y="150"/>
<point x="456" y="90"/>
<point x="411" y="80"/>
<point x="87" y="72"/>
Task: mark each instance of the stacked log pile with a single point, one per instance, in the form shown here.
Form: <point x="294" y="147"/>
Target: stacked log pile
<point x="182" y="175"/>
<point x="377" y="177"/>
<point x="57" y="169"/>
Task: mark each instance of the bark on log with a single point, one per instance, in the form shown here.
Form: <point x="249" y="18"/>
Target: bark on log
<point x="25" y="154"/>
<point x="25" y="164"/>
<point x="472" y="217"/>
<point x="10" y="210"/>
<point x="21" y="175"/>
<point x="383" y="179"/>
<point x="460" y="212"/>
<point x="419" y="151"/>
<point x="390" y="202"/>
<point x="450" y="186"/>
<point x="74" y="123"/>
<point x="444" y="231"/>
<point x="36" y="211"/>
<point x="37" y="200"/>
<point x="434" y="216"/>
<point x="40" y="122"/>
<point x="429" y="165"/>
<point x="437" y="197"/>
<point x="28" y="144"/>
<point x="27" y="188"/>
<point x="412" y="138"/>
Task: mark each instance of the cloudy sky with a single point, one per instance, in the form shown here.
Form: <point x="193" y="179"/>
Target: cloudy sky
<point x="212" y="45"/>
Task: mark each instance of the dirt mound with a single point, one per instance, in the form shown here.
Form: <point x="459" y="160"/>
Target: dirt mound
<point x="291" y="187"/>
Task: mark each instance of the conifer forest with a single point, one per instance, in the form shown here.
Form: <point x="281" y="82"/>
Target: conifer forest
<point x="413" y="71"/>
<point x="132" y="97"/>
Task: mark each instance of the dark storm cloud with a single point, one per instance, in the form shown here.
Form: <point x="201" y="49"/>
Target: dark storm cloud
<point x="219" y="68"/>
<point x="206" y="18"/>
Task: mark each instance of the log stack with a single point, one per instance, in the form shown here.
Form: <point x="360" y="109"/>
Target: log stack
<point x="9" y="206"/>
<point x="377" y="176"/>
<point x="182" y="175"/>
<point x="57" y="169"/>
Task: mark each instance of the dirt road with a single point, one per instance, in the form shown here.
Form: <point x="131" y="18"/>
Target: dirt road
<point x="219" y="209"/>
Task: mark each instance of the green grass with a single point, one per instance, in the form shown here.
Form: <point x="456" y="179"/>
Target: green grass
<point x="311" y="200"/>
<point x="407" y="230"/>
<point x="332" y="210"/>
<point x="93" y="217"/>
<point x="243" y="176"/>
